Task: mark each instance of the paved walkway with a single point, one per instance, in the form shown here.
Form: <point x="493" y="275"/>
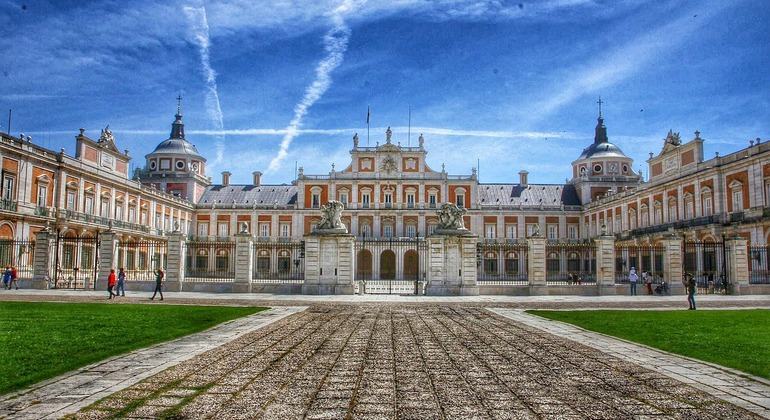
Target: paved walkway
<point x="736" y="387"/>
<point x="73" y="391"/>
<point x="397" y="356"/>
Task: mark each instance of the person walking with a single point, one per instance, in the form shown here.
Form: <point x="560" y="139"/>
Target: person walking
<point x="14" y="276"/>
<point x="632" y="280"/>
<point x="111" y="283"/>
<point x="691" y="291"/>
<point x="6" y="277"/>
<point x="647" y="279"/>
<point x="158" y="284"/>
<point x="121" y="290"/>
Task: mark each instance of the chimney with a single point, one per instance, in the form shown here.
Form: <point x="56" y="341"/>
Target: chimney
<point x="523" y="177"/>
<point x="257" y="178"/>
<point x="226" y="178"/>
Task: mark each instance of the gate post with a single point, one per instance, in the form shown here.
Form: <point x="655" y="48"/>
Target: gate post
<point x="329" y="263"/>
<point x="452" y="267"/>
<point x="605" y="264"/>
<point x="673" y="264"/>
<point x="737" y="264"/>
<point x="536" y="267"/>
<point x="244" y="258"/>
<point x="175" y="261"/>
<point x="43" y="259"/>
<point x="108" y="245"/>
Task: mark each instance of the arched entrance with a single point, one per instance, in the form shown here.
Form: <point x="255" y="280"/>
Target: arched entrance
<point x="388" y="265"/>
<point x="364" y="264"/>
<point x="411" y="265"/>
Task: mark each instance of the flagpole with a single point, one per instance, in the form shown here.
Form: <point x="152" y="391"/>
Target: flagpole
<point x="368" y="113"/>
<point x="409" y="132"/>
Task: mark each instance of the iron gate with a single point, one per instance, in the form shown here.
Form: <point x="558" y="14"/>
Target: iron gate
<point x="642" y="257"/>
<point x="502" y="263"/>
<point x="707" y="262"/>
<point x="759" y="265"/>
<point x="76" y="262"/>
<point x="140" y="259"/>
<point x="391" y="265"/>
<point x="570" y="263"/>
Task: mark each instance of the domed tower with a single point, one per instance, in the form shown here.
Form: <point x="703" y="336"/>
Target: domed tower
<point x="602" y="168"/>
<point x="175" y="166"/>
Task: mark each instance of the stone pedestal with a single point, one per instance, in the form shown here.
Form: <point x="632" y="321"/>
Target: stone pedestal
<point x="244" y="255"/>
<point x="175" y="262"/>
<point x="42" y="269"/>
<point x="605" y="265"/>
<point x="329" y="263"/>
<point x="737" y="264"/>
<point x="452" y="263"/>
<point x="108" y="247"/>
<point x="673" y="264"/>
<point x="536" y="267"/>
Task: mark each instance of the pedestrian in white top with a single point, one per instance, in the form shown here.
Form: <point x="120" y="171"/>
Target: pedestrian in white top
<point x="633" y="279"/>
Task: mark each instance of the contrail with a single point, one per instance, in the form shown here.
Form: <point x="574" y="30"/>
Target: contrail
<point x="200" y="30"/>
<point x="335" y="45"/>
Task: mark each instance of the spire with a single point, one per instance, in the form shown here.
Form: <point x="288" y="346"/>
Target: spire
<point x="601" y="129"/>
<point x="177" y="128"/>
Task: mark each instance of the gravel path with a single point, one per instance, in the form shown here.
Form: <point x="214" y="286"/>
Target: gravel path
<point x="408" y="361"/>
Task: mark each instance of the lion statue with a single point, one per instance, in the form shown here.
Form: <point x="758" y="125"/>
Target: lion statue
<point x="450" y="216"/>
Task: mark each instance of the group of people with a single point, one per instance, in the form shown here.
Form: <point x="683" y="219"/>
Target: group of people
<point x="118" y="282"/>
<point x="9" y="278"/>
<point x="689" y="284"/>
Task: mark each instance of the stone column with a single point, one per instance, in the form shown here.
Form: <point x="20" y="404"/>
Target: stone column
<point x="175" y="262"/>
<point x="244" y="257"/>
<point x="108" y="247"/>
<point x="737" y="264"/>
<point x="673" y="264"/>
<point x="536" y="265"/>
<point x="329" y="264"/>
<point x="43" y="259"/>
<point x="605" y="264"/>
<point x="452" y="264"/>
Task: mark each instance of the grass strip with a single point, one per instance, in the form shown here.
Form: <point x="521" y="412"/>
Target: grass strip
<point x="41" y="340"/>
<point x="739" y="339"/>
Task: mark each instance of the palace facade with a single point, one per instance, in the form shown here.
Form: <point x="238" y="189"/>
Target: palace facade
<point x="389" y="191"/>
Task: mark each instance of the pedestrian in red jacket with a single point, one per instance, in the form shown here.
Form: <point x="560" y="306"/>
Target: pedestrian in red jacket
<point x="111" y="282"/>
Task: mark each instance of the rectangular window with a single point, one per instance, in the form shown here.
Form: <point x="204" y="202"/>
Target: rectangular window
<point x="365" y="201"/>
<point x="105" y="207"/>
<point x="344" y="198"/>
<point x="767" y="194"/>
<point x="737" y="200"/>
<point x="203" y="229"/>
<point x="264" y="229"/>
<point x="410" y="200"/>
<point x="166" y="223"/>
<point x="89" y="207"/>
<point x="707" y="210"/>
<point x="8" y="187"/>
<point x="223" y="229"/>
<point x="510" y="231"/>
<point x="119" y="212"/>
<point x="432" y="201"/>
<point x="431" y="229"/>
<point x="411" y="231"/>
<point x="42" y="195"/>
<point x="387" y="231"/>
<point x="388" y="200"/>
<point x="143" y="218"/>
<point x="366" y="230"/>
<point x="316" y="201"/>
<point x="460" y="200"/>
<point x="131" y="214"/>
<point x="572" y="232"/>
<point x="553" y="231"/>
<point x="688" y="210"/>
<point x="71" y="200"/>
<point x="157" y="220"/>
<point x="285" y="230"/>
<point x="490" y="231"/>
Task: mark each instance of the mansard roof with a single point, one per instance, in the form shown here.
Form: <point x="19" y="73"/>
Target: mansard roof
<point x="261" y="195"/>
<point x="530" y="195"/>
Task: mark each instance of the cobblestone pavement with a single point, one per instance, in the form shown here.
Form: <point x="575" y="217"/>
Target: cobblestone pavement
<point x="408" y="361"/>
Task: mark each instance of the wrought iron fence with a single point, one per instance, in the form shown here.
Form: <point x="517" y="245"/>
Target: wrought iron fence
<point x="75" y="262"/>
<point x="17" y="254"/>
<point x="391" y="265"/>
<point x="140" y="259"/>
<point x="644" y="258"/>
<point x="707" y="263"/>
<point x="502" y="263"/>
<point x="278" y="262"/>
<point x="759" y="266"/>
<point x="210" y="261"/>
<point x="570" y="264"/>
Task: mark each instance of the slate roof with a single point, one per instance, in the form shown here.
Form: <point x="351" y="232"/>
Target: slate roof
<point x="602" y="150"/>
<point x="530" y="195"/>
<point x="178" y="146"/>
<point x="263" y="195"/>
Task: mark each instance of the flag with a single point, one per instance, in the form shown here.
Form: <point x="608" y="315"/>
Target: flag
<point x="367" y="115"/>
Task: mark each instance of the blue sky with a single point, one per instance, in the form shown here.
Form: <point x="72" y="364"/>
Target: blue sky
<point x="511" y="85"/>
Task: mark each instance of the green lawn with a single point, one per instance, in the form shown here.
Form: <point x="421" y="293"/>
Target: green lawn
<point x="41" y="340"/>
<point x="739" y="339"/>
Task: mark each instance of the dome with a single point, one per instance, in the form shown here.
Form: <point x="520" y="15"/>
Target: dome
<point x="176" y="143"/>
<point x="601" y="147"/>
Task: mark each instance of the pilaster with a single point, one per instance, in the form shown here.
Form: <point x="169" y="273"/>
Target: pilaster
<point x="452" y="267"/>
<point x="673" y="264"/>
<point x="41" y="270"/>
<point x="536" y="265"/>
<point x="108" y="246"/>
<point x="737" y="264"/>
<point x="329" y="264"/>
<point x="605" y="264"/>
<point x="244" y="258"/>
<point x="175" y="261"/>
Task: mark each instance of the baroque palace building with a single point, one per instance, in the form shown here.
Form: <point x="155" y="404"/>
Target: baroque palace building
<point x="388" y="191"/>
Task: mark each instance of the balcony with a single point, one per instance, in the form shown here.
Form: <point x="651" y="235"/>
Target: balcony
<point x="7" y="205"/>
<point x="41" y="211"/>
